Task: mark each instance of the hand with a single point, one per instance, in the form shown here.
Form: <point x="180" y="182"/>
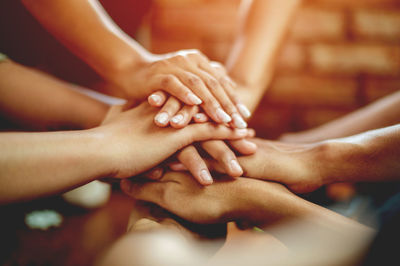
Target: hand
<point x="172" y="112"/>
<point x="133" y="144"/>
<point x="240" y="199"/>
<point x="191" y="160"/>
<point x="296" y="165"/>
<point x="186" y="75"/>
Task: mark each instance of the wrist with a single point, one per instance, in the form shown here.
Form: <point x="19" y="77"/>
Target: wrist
<point x="97" y="153"/>
<point x="340" y="161"/>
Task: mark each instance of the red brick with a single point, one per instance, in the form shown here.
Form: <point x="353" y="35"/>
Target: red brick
<point x="313" y="91"/>
<point x="161" y="45"/>
<point x="377" y="88"/>
<point x="377" y="24"/>
<point x="313" y="117"/>
<point x="315" y="24"/>
<point x="355" y="59"/>
<point x="271" y="121"/>
<point x="212" y="21"/>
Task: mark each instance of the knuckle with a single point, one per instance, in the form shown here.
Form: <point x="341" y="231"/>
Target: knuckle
<point x="225" y="83"/>
<point x="211" y="102"/>
<point x="193" y="81"/>
<point x="212" y="83"/>
<point x="179" y="59"/>
<point x="159" y="64"/>
<point x="167" y="80"/>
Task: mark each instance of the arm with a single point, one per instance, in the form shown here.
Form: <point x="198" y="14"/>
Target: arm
<point x="251" y="61"/>
<point x="126" y="144"/>
<point x="37" y="101"/>
<point x="372" y="156"/>
<point x="264" y="204"/>
<point x="381" y="113"/>
<point x="86" y="29"/>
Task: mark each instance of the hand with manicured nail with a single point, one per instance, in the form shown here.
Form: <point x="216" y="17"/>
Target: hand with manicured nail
<point x="190" y="159"/>
<point x="180" y="115"/>
<point x="134" y="144"/>
<point x="221" y="104"/>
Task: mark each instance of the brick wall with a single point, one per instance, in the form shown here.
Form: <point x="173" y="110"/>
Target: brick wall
<point x="339" y="55"/>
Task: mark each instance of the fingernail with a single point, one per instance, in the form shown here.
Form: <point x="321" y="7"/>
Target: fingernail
<point x="194" y="99"/>
<point x="162" y="118"/>
<point x="235" y="167"/>
<point x="224" y="117"/>
<point x="206" y="177"/>
<point x="155" y="98"/>
<point x="200" y="117"/>
<point x="251" y="144"/>
<point x="238" y="121"/>
<point x="177" y="119"/>
<point x="243" y="110"/>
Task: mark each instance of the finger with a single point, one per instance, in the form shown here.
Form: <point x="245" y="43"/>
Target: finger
<point x="200" y="118"/>
<point x="157" y="99"/>
<point x="243" y="146"/>
<point x="192" y="160"/>
<point x="184" y="116"/>
<point x="154" y="174"/>
<point x="252" y="133"/>
<point x="167" y="111"/>
<point x="231" y="86"/>
<point x="207" y="131"/>
<point x="175" y="87"/>
<point x="222" y="97"/>
<point x="218" y="150"/>
<point x="210" y="104"/>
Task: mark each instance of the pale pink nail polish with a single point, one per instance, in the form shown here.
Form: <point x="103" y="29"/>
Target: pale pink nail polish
<point x="177" y="119"/>
<point x="162" y="118"/>
<point x="200" y="117"/>
<point x="243" y="110"/>
<point x="206" y="177"/>
<point x="238" y="121"/>
<point x="224" y="117"/>
<point x="194" y="99"/>
<point x="235" y="167"/>
<point x="155" y="98"/>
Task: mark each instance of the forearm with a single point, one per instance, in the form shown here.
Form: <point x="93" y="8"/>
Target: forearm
<point x="265" y="203"/>
<point x="251" y="60"/>
<point x="40" y="164"/>
<point x="37" y="101"/>
<point x="373" y="156"/>
<point x="382" y="113"/>
<point x="85" y="28"/>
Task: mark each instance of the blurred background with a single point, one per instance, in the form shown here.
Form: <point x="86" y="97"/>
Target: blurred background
<point x="338" y="55"/>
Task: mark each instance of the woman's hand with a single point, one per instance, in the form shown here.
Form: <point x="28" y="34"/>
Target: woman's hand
<point x="185" y="74"/>
<point x="191" y="158"/>
<point x="134" y="144"/>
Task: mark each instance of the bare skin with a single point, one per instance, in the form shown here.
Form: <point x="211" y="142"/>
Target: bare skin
<point x="133" y="71"/>
<point x="243" y="200"/>
<point x="262" y="26"/>
<point x="25" y="100"/>
<point x="126" y="144"/>
<point x="381" y="113"/>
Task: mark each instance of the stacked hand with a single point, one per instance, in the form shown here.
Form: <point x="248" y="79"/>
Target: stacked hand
<point x="188" y="77"/>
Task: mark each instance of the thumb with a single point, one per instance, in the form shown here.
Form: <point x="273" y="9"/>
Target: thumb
<point x="146" y="191"/>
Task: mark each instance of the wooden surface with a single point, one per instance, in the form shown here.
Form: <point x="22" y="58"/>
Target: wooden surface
<point x="83" y="235"/>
